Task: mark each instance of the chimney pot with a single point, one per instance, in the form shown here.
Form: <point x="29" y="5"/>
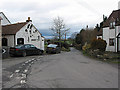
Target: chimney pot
<point x="28" y="20"/>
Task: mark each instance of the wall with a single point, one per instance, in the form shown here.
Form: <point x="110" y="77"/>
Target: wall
<point x="29" y="38"/>
<point x="110" y="33"/>
<point x="43" y="40"/>
<point x="0" y="33"/>
<point x="4" y="21"/>
<point x="10" y="39"/>
<point x="119" y="5"/>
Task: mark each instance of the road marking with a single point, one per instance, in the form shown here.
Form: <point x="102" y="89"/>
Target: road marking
<point x="11" y="75"/>
<point x="20" y="67"/>
<point x="24" y="76"/>
<point x="33" y="59"/>
<point x="30" y="60"/>
<point x="25" y="71"/>
<point x="17" y="71"/>
<point x="23" y="64"/>
<point x="22" y="81"/>
<point x="26" y="62"/>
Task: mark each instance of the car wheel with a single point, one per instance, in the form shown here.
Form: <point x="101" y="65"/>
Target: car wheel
<point x="24" y="54"/>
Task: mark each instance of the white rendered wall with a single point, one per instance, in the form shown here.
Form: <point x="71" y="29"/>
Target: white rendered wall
<point x="107" y="34"/>
<point x="4" y="21"/>
<point x="10" y="39"/>
<point x="23" y="34"/>
<point x="111" y="33"/>
<point x="119" y="5"/>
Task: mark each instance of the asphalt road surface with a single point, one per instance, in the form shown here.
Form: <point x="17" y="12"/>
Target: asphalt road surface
<point x="64" y="70"/>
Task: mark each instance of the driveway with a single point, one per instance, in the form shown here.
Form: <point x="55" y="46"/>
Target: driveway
<point x="64" y="70"/>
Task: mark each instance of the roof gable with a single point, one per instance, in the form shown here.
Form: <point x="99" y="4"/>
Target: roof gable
<point x="4" y="18"/>
<point x="115" y="16"/>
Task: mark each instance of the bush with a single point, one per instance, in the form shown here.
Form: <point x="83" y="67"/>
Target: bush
<point x="78" y="46"/>
<point x="64" y="49"/>
<point x="86" y="47"/>
<point x="98" y="44"/>
<point x="65" y="45"/>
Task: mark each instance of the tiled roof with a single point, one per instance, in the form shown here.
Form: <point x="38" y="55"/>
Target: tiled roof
<point x="12" y="28"/>
<point x="114" y="15"/>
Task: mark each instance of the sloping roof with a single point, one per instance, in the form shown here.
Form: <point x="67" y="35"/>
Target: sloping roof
<point x="12" y="28"/>
<point x="114" y="15"/>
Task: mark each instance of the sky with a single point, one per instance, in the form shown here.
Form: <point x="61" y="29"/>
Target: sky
<point x="77" y="14"/>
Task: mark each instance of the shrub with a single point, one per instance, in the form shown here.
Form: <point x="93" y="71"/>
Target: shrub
<point x="65" y="45"/>
<point x="98" y="44"/>
<point x="64" y="49"/>
<point x="86" y="47"/>
<point x="78" y="46"/>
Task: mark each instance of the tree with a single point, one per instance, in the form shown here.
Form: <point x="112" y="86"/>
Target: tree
<point x="59" y="28"/>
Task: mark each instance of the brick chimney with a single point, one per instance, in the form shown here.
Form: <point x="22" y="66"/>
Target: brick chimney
<point x="28" y="20"/>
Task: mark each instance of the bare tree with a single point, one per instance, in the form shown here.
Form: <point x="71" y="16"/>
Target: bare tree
<point x="59" y="28"/>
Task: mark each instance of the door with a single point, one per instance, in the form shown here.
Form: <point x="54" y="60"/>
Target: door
<point x="20" y="41"/>
<point x="4" y="42"/>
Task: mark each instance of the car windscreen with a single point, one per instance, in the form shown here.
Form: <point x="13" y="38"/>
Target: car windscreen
<point x="19" y="46"/>
<point x="52" y="46"/>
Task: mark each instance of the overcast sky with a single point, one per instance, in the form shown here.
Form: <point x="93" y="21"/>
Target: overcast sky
<point x="76" y="13"/>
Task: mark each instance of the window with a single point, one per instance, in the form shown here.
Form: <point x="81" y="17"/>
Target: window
<point x="112" y="25"/>
<point x="27" y="46"/>
<point x="25" y="30"/>
<point x="31" y="26"/>
<point x="111" y="41"/>
<point x="38" y="38"/>
<point x="30" y="32"/>
<point x="28" y="39"/>
<point x="28" y="26"/>
<point x="32" y="46"/>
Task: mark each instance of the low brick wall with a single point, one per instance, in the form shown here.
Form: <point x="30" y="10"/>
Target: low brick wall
<point x="5" y="52"/>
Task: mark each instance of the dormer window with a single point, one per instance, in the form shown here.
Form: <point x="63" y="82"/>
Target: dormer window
<point x="112" y="25"/>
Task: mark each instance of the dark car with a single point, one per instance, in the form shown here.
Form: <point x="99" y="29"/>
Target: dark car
<point x="53" y="48"/>
<point x="24" y="50"/>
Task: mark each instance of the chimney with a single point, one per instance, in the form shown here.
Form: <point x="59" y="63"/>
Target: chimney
<point x="28" y="20"/>
<point x="119" y="5"/>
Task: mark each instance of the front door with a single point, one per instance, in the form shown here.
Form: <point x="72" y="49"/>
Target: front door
<point x="4" y="42"/>
<point x="20" y="41"/>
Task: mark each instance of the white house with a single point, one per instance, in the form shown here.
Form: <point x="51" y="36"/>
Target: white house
<point x="0" y="32"/>
<point x="5" y="20"/>
<point x="111" y="32"/>
<point x="22" y="33"/>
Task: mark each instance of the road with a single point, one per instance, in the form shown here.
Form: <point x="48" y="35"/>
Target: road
<point x="64" y="70"/>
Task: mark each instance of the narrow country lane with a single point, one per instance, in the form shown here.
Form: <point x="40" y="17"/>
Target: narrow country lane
<point x="72" y="70"/>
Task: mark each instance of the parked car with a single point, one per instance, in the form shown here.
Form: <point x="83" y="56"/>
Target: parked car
<point x="53" y="48"/>
<point x="24" y="50"/>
